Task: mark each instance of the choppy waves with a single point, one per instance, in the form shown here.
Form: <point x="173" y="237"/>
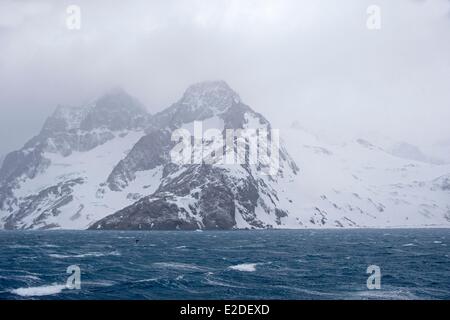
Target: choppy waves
<point x="282" y="264"/>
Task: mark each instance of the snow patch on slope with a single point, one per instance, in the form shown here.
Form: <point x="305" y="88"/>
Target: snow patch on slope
<point x="89" y="204"/>
<point x="357" y="184"/>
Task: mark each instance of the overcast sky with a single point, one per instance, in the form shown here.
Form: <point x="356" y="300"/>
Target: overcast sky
<point x="313" y="61"/>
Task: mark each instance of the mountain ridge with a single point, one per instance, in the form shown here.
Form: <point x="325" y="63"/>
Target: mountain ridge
<point x="108" y="165"/>
<point x="173" y="205"/>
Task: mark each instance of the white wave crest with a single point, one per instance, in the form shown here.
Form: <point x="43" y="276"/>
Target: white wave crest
<point x="244" y="267"/>
<point x="84" y="255"/>
<point x="178" y="266"/>
<point x="39" y="291"/>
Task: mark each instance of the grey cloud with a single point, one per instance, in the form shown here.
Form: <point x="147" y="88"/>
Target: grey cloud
<point x="311" y="61"/>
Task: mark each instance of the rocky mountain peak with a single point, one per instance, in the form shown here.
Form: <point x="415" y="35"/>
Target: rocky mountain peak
<point x="200" y="101"/>
<point x="215" y="95"/>
<point x="64" y="118"/>
<point x="115" y="110"/>
<point x="95" y="167"/>
<point x="118" y="99"/>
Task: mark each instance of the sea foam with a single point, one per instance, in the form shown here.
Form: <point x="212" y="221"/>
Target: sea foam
<point x="39" y="291"/>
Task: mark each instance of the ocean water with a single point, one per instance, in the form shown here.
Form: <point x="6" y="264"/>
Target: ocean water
<point x="273" y="264"/>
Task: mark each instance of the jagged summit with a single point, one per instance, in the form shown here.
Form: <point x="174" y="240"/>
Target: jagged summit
<point x="90" y="162"/>
<point x="201" y="101"/>
<point x="214" y="94"/>
<point x="96" y="167"/>
<point x="200" y="195"/>
<point x="115" y="110"/>
<point x="118" y="98"/>
<point x="107" y="121"/>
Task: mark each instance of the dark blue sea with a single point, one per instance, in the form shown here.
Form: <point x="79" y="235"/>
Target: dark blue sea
<point x="295" y="264"/>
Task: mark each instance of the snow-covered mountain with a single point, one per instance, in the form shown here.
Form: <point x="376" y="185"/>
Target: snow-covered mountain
<point x="359" y="183"/>
<point x="90" y="162"/>
<point x="53" y="181"/>
<point x="193" y="196"/>
<point x="440" y="150"/>
<point x="108" y="165"/>
<point x="411" y="152"/>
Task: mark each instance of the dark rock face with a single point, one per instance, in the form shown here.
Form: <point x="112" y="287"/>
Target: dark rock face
<point x="149" y="152"/>
<point x="116" y="111"/>
<point x="67" y="130"/>
<point x="200" y="101"/>
<point x="24" y="163"/>
<point x="183" y="196"/>
<point x="28" y="162"/>
<point x="84" y="128"/>
<point x="62" y="193"/>
<point x="197" y="196"/>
